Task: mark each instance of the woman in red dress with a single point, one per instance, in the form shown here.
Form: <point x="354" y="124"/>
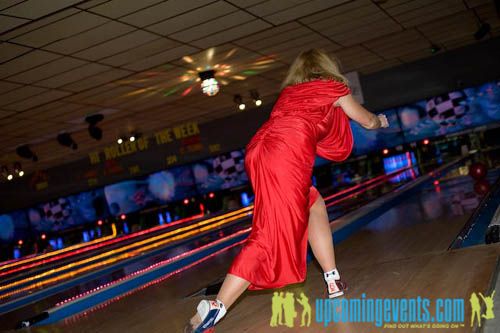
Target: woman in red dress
<point x="311" y="116"/>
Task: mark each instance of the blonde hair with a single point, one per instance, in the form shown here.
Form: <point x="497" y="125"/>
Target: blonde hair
<point x="313" y="64"/>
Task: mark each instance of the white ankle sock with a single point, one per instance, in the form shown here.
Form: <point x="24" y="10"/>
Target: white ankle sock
<point x="222" y="311"/>
<point x="332" y="275"/>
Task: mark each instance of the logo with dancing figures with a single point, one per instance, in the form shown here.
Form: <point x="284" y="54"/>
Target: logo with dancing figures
<point x="283" y="309"/>
<point x="476" y="308"/>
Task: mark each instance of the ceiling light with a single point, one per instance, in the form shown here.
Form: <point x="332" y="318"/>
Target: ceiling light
<point x="66" y="140"/>
<point x="209" y="84"/>
<point x="483" y="30"/>
<point x="239" y="102"/>
<point x="119" y="141"/>
<point x="25" y="151"/>
<point x="434" y="48"/>
<point x="18" y="169"/>
<point x="94" y="131"/>
<point x="5" y="171"/>
<point x="256" y="97"/>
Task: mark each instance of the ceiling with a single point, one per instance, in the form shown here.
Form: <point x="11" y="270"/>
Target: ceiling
<point x="62" y="60"/>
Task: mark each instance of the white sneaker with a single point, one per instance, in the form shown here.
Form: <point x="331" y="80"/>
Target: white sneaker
<point x="335" y="288"/>
<point x="210" y="313"/>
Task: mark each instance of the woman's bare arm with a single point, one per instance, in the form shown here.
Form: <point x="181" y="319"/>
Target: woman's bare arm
<point x="359" y="114"/>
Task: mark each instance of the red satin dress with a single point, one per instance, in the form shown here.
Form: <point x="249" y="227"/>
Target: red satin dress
<point x="279" y="162"/>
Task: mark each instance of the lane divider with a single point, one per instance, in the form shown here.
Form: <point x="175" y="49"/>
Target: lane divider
<point x="142" y="279"/>
<point x="59" y="274"/>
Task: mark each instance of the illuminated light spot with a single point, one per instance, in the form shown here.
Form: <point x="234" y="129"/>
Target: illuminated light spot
<point x="264" y="62"/>
<point x="170" y="92"/>
<point x="230" y="53"/>
<point x="123" y="217"/>
<point x="210" y="53"/>
<point x="188" y="59"/>
<point x="186" y="201"/>
<point x="211" y="195"/>
<point x="187" y="91"/>
<point x="99" y="222"/>
<point x="436" y="182"/>
<point x="426" y="141"/>
<point x="20" y="242"/>
<point x="138" y="92"/>
<point x="385" y="151"/>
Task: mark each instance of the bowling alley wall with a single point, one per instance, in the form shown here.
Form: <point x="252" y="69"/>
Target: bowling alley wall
<point x="443" y="94"/>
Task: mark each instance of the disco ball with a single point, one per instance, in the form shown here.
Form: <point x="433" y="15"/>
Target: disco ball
<point x="210" y="87"/>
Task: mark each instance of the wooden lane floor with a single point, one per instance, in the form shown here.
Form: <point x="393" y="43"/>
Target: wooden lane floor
<point x="401" y="254"/>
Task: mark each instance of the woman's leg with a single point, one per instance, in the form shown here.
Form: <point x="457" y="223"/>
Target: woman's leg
<point x="232" y="288"/>
<point x="320" y="235"/>
<point x="320" y="238"/>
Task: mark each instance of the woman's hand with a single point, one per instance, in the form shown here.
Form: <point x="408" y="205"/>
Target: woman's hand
<point x="361" y="115"/>
<point x="384" y="123"/>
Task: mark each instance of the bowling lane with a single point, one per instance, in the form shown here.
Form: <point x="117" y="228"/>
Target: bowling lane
<point x="345" y="202"/>
<point x="413" y="233"/>
<point x="426" y="222"/>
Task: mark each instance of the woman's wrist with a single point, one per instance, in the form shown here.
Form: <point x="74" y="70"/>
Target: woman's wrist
<point x="376" y="123"/>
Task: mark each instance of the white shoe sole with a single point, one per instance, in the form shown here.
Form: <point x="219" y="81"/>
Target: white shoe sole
<point x="336" y="294"/>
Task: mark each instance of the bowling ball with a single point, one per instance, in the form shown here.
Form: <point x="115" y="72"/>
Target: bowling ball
<point x="477" y="171"/>
<point x="481" y="187"/>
